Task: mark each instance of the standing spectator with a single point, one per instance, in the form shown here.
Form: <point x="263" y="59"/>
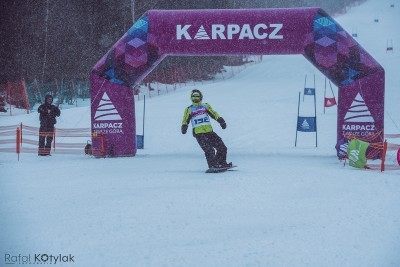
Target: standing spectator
<point x="48" y="113"/>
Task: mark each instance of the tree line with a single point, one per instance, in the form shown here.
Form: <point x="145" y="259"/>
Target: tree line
<point x="63" y="39"/>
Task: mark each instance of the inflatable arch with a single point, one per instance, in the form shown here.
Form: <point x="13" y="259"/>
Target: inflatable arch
<point x="307" y="31"/>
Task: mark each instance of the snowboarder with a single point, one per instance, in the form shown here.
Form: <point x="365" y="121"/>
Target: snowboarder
<point x="199" y="115"/>
<point x="48" y="113"/>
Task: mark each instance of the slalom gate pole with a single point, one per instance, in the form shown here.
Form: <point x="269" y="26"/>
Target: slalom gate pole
<point x="18" y="140"/>
<point x="315" y="112"/>
<point x="305" y="84"/>
<point x="314" y="82"/>
<point x="331" y="89"/>
<point x="298" y="112"/>
<point x="144" y="111"/>
<point x="383" y="156"/>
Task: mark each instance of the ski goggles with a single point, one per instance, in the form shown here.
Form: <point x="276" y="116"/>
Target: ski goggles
<point x="196" y="97"/>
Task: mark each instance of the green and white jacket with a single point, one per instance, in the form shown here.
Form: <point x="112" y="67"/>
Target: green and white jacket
<point x="199" y="115"/>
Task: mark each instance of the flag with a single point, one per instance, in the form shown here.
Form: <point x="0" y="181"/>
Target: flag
<point x="306" y="124"/>
<point x="329" y="102"/>
<point x="356" y="153"/>
<point x="309" y="91"/>
<point x="139" y="141"/>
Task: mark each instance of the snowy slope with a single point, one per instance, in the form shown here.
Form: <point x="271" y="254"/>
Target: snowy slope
<point x="283" y="206"/>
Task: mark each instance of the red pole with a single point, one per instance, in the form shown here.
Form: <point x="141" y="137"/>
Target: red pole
<point x="18" y="140"/>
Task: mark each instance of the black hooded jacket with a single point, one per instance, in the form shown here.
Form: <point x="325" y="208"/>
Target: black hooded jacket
<point x="48" y="114"/>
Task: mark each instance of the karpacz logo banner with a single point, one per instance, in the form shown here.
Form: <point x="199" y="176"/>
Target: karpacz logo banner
<point x="231" y="32"/>
<point x="358" y="120"/>
<point x="105" y="113"/>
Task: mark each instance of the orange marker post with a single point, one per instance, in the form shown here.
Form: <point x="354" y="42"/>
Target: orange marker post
<point x="383" y="156"/>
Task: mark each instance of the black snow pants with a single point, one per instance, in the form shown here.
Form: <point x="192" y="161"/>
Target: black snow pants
<point x="213" y="147"/>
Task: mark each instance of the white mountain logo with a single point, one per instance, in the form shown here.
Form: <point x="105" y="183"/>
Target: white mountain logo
<point x="328" y="102"/>
<point x="202" y="34"/>
<point x="106" y="110"/>
<point x="354" y="155"/>
<point x="305" y="125"/>
<point x="358" y="111"/>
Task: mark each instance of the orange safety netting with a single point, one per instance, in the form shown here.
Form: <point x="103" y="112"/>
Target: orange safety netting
<point x="22" y="138"/>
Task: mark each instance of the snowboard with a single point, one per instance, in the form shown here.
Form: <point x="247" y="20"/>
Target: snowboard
<point x="217" y="170"/>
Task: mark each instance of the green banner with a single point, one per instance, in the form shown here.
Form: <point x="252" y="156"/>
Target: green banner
<point x="356" y="153"/>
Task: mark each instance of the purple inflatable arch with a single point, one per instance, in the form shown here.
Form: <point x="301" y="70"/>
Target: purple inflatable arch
<point x="307" y="31"/>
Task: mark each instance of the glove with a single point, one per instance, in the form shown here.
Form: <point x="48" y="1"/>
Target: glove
<point x="184" y="129"/>
<point x="222" y="122"/>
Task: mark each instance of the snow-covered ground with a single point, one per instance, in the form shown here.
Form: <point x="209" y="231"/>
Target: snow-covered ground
<point x="283" y="206"/>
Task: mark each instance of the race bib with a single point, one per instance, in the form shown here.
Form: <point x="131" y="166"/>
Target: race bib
<point x="200" y="120"/>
